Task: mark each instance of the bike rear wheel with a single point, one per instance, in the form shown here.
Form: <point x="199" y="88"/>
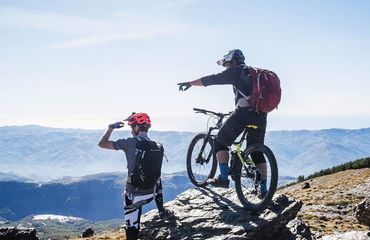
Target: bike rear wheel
<point x="247" y="178"/>
<point x="200" y="161"/>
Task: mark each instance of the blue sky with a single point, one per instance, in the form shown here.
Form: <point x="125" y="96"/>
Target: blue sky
<point x="84" y="64"/>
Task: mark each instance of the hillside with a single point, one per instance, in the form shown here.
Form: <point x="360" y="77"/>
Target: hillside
<point x="93" y="197"/>
<point x="328" y="203"/>
<point x="63" y="227"/>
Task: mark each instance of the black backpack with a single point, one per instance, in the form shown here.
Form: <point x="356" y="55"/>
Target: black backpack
<point x="149" y="157"/>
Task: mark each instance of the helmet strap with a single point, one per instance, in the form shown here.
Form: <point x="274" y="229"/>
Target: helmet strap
<point x="133" y="131"/>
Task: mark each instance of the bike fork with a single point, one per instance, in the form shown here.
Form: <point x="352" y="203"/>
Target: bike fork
<point x="249" y="166"/>
<point x="199" y="157"/>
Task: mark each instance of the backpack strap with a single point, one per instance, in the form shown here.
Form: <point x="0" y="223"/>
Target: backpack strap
<point x="245" y="71"/>
<point x="141" y="138"/>
<point x="244" y="96"/>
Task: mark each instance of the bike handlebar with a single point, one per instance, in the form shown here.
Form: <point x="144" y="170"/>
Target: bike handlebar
<point x="204" y="111"/>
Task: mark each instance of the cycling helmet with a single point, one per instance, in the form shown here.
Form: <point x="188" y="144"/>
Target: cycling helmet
<point x="235" y="54"/>
<point x="140" y="119"/>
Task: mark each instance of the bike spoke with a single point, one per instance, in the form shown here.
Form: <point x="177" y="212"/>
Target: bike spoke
<point x="248" y="185"/>
<point x="201" y="161"/>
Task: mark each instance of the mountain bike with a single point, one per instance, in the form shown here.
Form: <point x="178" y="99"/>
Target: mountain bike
<point x="201" y="163"/>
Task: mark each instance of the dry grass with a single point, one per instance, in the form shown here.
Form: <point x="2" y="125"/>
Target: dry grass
<point x="107" y="236"/>
<point x="329" y="202"/>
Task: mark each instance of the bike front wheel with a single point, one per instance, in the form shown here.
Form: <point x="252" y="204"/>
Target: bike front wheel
<point x="200" y="161"/>
<point x="248" y="176"/>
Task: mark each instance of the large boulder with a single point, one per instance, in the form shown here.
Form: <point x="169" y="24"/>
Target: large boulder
<point x="306" y="185"/>
<point x="295" y="230"/>
<point x="362" y="212"/>
<point x="89" y="232"/>
<point x="217" y="214"/>
<point x="13" y="233"/>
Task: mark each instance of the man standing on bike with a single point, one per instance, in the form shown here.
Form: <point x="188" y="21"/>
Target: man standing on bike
<point x="134" y="198"/>
<point x="236" y="74"/>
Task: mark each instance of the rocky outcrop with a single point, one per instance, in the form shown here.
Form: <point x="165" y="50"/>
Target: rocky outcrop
<point x="306" y="185"/>
<point x="362" y="212"/>
<point x="13" y="233"/>
<point x="217" y="214"/>
<point x="89" y="232"/>
<point x="354" y="235"/>
<point x="295" y="230"/>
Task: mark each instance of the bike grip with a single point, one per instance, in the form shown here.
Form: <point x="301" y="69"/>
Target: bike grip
<point x="198" y="109"/>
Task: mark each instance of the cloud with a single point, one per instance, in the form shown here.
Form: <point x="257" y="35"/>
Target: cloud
<point x="92" y="40"/>
<point x="128" y="33"/>
<point x="52" y="22"/>
<point x="102" y="39"/>
<point x="81" y="31"/>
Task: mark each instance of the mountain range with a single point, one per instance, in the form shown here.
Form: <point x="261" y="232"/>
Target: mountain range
<point x="39" y="153"/>
<point x="304" y="152"/>
<point x="63" y="172"/>
<point x="93" y="197"/>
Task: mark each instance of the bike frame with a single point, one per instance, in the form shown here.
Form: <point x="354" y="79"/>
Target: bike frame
<point x="238" y="145"/>
<point x="210" y="137"/>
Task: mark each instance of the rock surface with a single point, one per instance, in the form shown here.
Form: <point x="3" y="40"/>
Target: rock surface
<point x="306" y="185"/>
<point x="295" y="230"/>
<point x="217" y="214"/>
<point x="13" y="233"/>
<point x="89" y="232"/>
<point x="354" y="235"/>
<point x="362" y="212"/>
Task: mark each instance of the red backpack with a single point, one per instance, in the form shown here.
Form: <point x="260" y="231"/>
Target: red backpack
<point x="266" y="91"/>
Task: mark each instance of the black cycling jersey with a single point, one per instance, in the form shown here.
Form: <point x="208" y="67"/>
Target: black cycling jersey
<point x="238" y="76"/>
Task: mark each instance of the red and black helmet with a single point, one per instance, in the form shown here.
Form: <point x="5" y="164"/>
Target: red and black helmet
<point x="140" y="119"/>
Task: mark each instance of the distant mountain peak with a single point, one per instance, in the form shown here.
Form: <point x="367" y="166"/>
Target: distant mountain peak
<point x="43" y="153"/>
<point x="58" y="218"/>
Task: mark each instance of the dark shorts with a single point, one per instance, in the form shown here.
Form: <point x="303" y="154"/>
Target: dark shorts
<point x="235" y="125"/>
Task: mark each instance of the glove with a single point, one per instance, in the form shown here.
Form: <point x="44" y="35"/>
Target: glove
<point x="184" y="86"/>
<point x="116" y="125"/>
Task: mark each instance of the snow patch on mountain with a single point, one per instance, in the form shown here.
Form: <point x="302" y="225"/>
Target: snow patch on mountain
<point x="58" y="218"/>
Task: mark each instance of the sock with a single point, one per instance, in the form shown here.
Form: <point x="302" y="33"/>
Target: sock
<point x="264" y="185"/>
<point x="224" y="170"/>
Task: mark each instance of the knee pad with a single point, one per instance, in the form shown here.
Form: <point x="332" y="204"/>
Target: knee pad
<point x="132" y="218"/>
<point x="217" y="146"/>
